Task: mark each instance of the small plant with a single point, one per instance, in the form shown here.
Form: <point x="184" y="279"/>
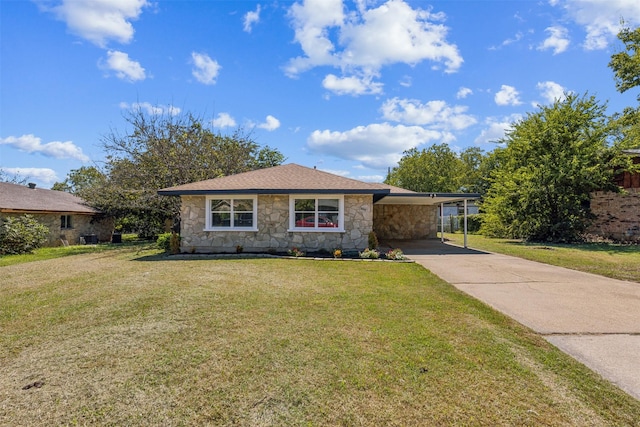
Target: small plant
<point x="295" y="252"/>
<point x="373" y="240"/>
<point x="395" y="254"/>
<point x="370" y="254"/>
<point x="164" y="242"/>
<point x="337" y="253"/>
<point x="239" y="249"/>
<point x="174" y="243"/>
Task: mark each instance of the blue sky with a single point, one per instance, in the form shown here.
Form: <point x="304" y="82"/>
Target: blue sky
<point x="346" y="86"/>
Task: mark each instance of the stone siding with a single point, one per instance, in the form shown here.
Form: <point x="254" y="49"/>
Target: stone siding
<point x="406" y="222"/>
<point x="81" y="225"/>
<point x="618" y="215"/>
<point x="273" y="225"/>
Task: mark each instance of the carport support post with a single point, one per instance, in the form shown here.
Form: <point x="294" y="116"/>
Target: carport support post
<point x="465" y="223"/>
<point x="442" y="222"/>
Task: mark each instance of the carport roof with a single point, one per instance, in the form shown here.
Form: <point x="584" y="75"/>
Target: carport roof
<point x="425" y="198"/>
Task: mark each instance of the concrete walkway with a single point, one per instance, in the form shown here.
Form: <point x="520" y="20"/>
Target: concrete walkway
<point x="594" y="319"/>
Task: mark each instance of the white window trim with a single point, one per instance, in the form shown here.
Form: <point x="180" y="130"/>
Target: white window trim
<point x="292" y="213"/>
<point x="231" y="197"/>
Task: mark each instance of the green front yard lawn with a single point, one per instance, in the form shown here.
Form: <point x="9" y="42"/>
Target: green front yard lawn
<point x="125" y="338"/>
<point x="609" y="260"/>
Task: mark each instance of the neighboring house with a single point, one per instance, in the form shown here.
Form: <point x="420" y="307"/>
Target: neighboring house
<point x="288" y="206"/>
<point x="66" y="216"/>
<point x="618" y="214"/>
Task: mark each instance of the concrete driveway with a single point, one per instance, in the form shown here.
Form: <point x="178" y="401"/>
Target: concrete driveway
<point x="592" y="318"/>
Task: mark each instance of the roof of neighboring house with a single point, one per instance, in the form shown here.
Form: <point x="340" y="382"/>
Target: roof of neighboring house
<point x="22" y="198"/>
<point x="632" y="151"/>
<point x="296" y="179"/>
<point x="284" y="179"/>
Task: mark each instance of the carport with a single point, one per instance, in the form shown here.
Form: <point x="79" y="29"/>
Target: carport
<point x="416" y="214"/>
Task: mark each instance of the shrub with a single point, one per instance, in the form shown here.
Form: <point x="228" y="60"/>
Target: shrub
<point x="337" y="253"/>
<point x="370" y="253"/>
<point x="395" y="254"/>
<point x="373" y="240"/>
<point x="174" y="243"/>
<point x="164" y="242"/>
<point x="474" y="222"/>
<point x="295" y="252"/>
<point x="21" y="235"/>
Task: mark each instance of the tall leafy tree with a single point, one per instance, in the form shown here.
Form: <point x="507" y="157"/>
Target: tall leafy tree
<point x="165" y="151"/>
<point x="431" y="169"/>
<point x="626" y="63"/>
<point x="553" y="159"/>
<point x="81" y="181"/>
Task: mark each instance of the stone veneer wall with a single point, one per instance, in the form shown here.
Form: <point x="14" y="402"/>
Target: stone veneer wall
<point x="273" y="223"/>
<point x="405" y="221"/>
<point x="618" y="215"/>
<point x="81" y="226"/>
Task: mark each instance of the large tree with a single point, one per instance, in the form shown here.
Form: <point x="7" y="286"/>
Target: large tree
<point x="626" y="63"/>
<point x="165" y="151"/>
<point x="437" y="169"/>
<point x="553" y="159"/>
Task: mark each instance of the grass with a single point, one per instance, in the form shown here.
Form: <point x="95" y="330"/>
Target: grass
<point x="129" y="242"/>
<point x="609" y="260"/>
<point x="125" y="338"/>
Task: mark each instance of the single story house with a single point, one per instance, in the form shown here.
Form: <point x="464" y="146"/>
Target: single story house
<point x="67" y="216"/>
<point x="286" y="206"/>
<point x="618" y="214"/>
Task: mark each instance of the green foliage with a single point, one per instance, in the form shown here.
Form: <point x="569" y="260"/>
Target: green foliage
<point x="158" y="152"/>
<point x="438" y="169"/>
<point x="626" y="64"/>
<point x="474" y="223"/>
<point x="21" y="235"/>
<point x="295" y="252"/>
<point x="164" y="242"/>
<point x="370" y="254"/>
<point x="373" y="240"/>
<point x="552" y="161"/>
<point x="174" y="243"/>
<point x="395" y="254"/>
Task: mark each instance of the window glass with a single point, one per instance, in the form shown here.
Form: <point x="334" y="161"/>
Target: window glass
<point x="316" y="213"/>
<point x="231" y="213"/>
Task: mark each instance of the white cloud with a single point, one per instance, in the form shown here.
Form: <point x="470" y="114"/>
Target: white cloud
<point x="601" y="19"/>
<point x="250" y="18"/>
<point x="508" y="95"/>
<point x="44" y="175"/>
<point x="558" y="40"/>
<point x="365" y="40"/>
<point x="370" y="178"/>
<point x="351" y="85"/>
<point x="496" y="129"/>
<point x="153" y="110"/>
<point x="463" y="92"/>
<point x="375" y="145"/>
<point x="55" y="149"/>
<point x="436" y="114"/>
<point x="124" y="68"/>
<point x="270" y="124"/>
<point x="100" y="20"/>
<point x="205" y="69"/>
<point x="224" y="120"/>
<point x="551" y="91"/>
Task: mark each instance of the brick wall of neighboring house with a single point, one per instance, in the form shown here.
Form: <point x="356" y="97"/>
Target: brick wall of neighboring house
<point x="618" y="215"/>
<point x="273" y="223"/>
<point x="405" y="221"/>
<point x="81" y="225"/>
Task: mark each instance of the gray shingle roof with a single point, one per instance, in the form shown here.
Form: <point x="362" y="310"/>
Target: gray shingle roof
<point x="20" y="198"/>
<point x="283" y="179"/>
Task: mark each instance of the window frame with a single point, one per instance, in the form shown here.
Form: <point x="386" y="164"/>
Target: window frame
<point x="68" y="222"/>
<point x="231" y="198"/>
<point x="315" y="228"/>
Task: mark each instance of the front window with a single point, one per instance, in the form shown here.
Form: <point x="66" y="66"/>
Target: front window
<point x="65" y="222"/>
<point x="317" y="213"/>
<point x="233" y="213"/>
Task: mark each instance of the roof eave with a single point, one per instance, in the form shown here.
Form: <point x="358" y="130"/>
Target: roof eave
<point x="170" y="192"/>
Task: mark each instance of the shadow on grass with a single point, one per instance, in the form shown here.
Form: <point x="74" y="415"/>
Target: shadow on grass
<point x="610" y="248"/>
